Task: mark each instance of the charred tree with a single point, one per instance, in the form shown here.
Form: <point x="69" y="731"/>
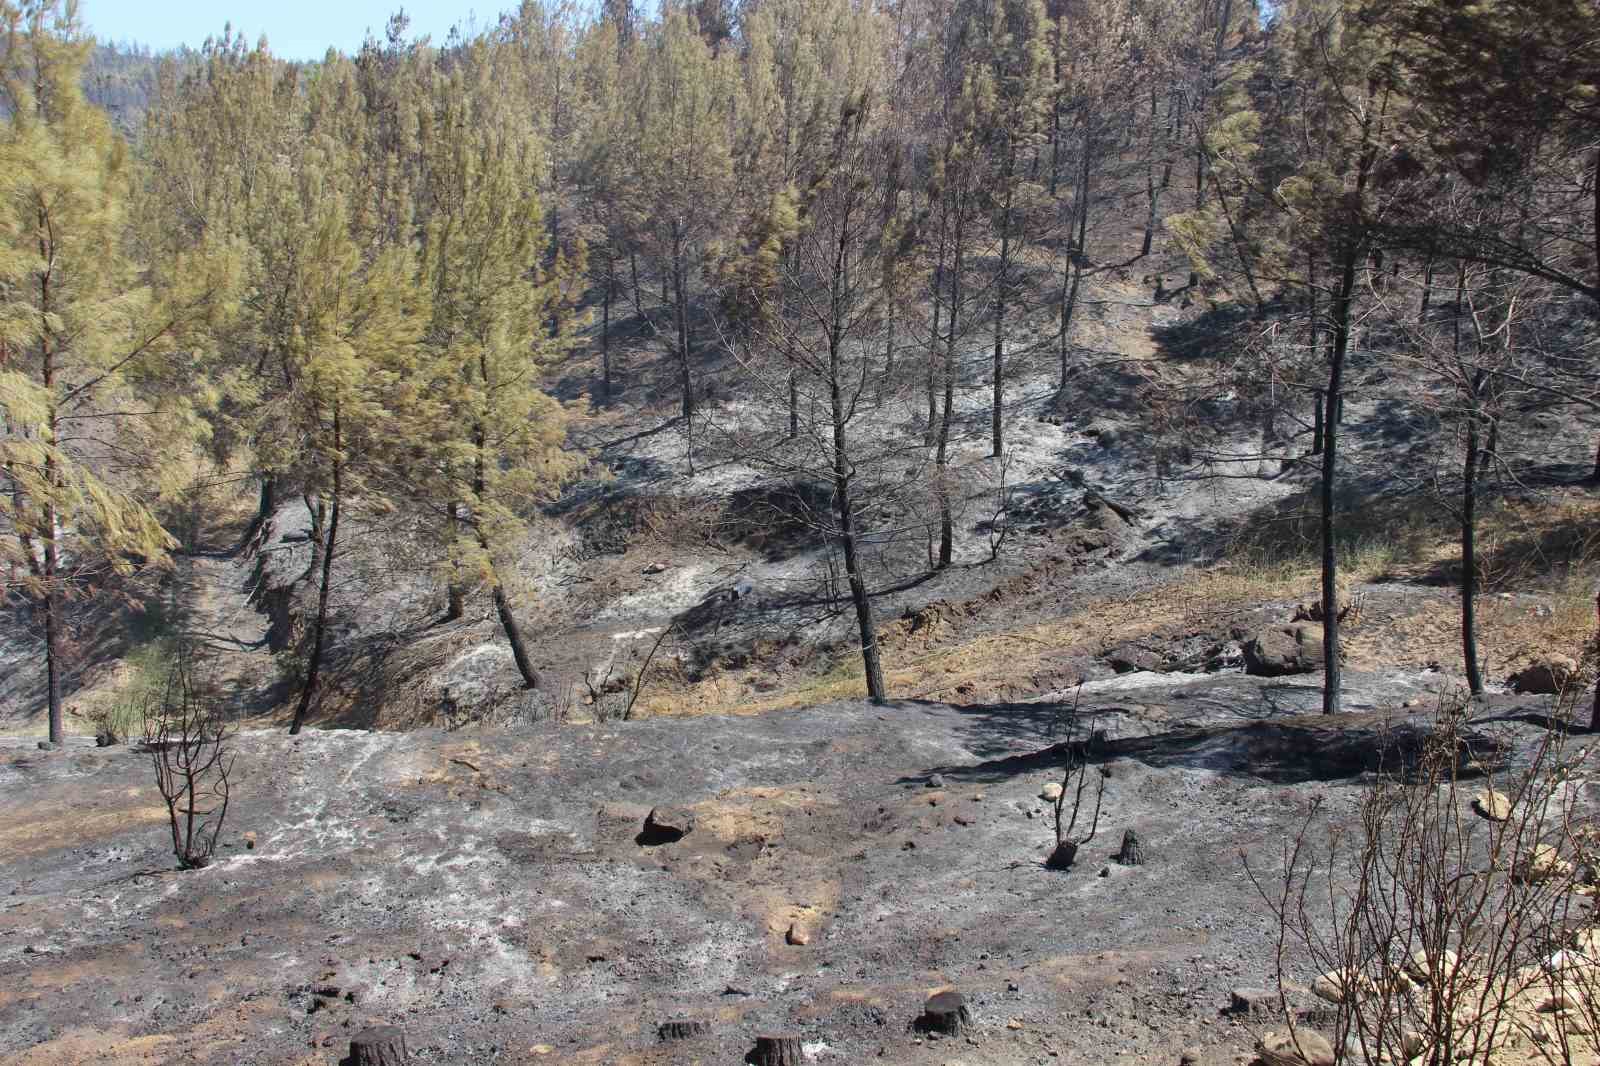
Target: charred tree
<point x="329" y="544"/>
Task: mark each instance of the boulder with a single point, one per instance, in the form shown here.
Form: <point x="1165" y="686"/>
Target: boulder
<point x="1050" y="792"/>
<point x="1546" y="676"/>
<point x="1420" y="969"/>
<point x="664" y="825"/>
<point x="1303" y="1047"/>
<point x="1560" y="999"/>
<point x="1333" y="986"/>
<point x="1295" y="649"/>
<point x="1543" y="863"/>
<point x="1129" y="658"/>
<point x="472" y="683"/>
<point x="1492" y="804"/>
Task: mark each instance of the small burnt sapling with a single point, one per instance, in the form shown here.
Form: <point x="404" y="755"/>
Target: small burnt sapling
<point x="187" y="736"/>
<point x="1075" y="778"/>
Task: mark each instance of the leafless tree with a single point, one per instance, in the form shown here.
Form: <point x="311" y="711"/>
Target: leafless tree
<point x="1076" y="775"/>
<point x="815" y="325"/>
<point x="187" y="734"/>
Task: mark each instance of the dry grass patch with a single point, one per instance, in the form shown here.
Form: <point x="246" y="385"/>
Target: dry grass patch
<point x="1552" y="547"/>
<point x="936" y="666"/>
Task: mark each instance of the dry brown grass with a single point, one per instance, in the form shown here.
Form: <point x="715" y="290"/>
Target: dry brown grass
<point x="938" y="665"/>
<point x="1549" y="547"/>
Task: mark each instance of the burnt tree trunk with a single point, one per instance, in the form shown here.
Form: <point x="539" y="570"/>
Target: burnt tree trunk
<point x="1151" y="191"/>
<point x="1316" y="423"/>
<point x="51" y="572"/>
<point x="794" y="404"/>
<point x="266" y="503"/>
<point x="1332" y="680"/>
<point x="1001" y="280"/>
<point x="1077" y="258"/>
<point x="383" y="1045"/>
<point x="1594" y="715"/>
<point x="1132" y="851"/>
<point x="934" y="350"/>
<point x="1062" y="856"/>
<point x="781" y="1050"/>
<point x="942" y="455"/>
<point x="680" y="303"/>
<point x="52" y="647"/>
<point x="871" y="662"/>
<point x="606" y="292"/>
<point x="519" y="648"/>
<point x="1469" y="555"/>
<point x="456" y="592"/>
<point x="320" y="626"/>
<point x="502" y="604"/>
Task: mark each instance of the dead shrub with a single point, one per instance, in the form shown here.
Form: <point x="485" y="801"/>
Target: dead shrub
<point x="1446" y="923"/>
<point x="187" y="736"/>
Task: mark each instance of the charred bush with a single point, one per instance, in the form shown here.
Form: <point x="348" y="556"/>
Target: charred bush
<point x="187" y="736"/>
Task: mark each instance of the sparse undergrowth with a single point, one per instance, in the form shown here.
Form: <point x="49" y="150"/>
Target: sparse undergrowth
<point x="1548" y="551"/>
<point x="1451" y="922"/>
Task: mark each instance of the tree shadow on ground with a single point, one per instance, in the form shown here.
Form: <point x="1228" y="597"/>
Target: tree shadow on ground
<point x="1198" y="338"/>
<point x="1283" y="749"/>
<point x="1527" y="559"/>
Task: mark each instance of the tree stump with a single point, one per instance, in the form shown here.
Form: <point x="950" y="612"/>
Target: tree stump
<point x="1062" y="857"/>
<point x="781" y="1050"/>
<point x="945" y="1013"/>
<point x="383" y="1045"/>
<point x="682" y="1029"/>
<point x="1132" y="852"/>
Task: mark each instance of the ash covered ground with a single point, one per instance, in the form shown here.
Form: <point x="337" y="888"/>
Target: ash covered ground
<point x="495" y="894"/>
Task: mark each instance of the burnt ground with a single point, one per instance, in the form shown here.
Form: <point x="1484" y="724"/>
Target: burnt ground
<point x="489" y="891"/>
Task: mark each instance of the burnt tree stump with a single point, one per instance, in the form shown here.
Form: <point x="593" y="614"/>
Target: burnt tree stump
<point x="781" y="1050"/>
<point x="1062" y="857"/>
<point x="383" y="1045"/>
<point x="682" y="1029"/>
<point x="945" y="1013"/>
<point x="1132" y="851"/>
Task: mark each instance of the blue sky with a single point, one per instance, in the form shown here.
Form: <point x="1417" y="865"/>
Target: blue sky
<point x="296" y="29"/>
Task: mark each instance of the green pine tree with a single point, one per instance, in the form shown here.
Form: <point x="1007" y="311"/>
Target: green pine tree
<point x="87" y="444"/>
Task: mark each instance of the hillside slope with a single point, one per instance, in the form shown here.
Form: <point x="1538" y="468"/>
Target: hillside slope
<point x="497" y="895"/>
